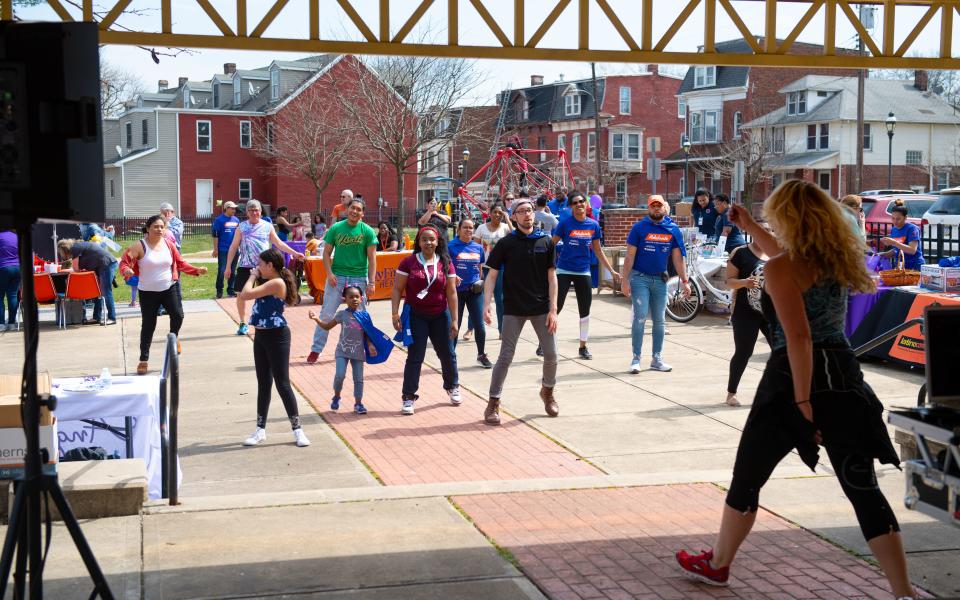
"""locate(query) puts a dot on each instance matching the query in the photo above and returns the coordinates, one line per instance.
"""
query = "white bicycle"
(683, 310)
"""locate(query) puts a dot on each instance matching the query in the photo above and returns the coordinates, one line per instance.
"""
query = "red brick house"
(632, 108)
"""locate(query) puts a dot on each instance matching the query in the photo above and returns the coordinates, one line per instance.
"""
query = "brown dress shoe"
(549, 402)
(142, 368)
(491, 416)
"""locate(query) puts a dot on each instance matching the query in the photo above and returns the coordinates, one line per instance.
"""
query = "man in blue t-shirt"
(652, 241)
(581, 242)
(223, 229)
(724, 226)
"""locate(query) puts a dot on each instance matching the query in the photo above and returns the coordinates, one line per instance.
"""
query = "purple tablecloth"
(300, 247)
(858, 306)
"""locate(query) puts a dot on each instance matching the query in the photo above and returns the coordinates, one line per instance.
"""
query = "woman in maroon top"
(428, 279)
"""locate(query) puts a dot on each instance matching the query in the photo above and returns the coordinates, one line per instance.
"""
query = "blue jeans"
(105, 277)
(473, 303)
(497, 296)
(649, 294)
(9, 286)
(221, 268)
(437, 330)
(341, 374)
(332, 297)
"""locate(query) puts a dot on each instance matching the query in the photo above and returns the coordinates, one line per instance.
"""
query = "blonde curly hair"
(813, 228)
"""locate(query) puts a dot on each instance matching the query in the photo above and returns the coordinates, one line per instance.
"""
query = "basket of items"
(900, 275)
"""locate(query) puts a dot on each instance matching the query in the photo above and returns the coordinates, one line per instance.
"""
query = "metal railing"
(886, 337)
(169, 410)
(936, 241)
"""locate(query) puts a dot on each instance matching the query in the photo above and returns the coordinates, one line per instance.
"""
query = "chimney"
(536, 80)
(182, 81)
(229, 68)
(653, 69)
(162, 85)
(921, 79)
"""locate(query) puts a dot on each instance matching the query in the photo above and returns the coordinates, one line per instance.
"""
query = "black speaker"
(51, 149)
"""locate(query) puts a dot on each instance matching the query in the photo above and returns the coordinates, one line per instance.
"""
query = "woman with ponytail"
(904, 239)
(272, 286)
(429, 279)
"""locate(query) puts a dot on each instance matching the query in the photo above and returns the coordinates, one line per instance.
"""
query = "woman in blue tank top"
(812, 392)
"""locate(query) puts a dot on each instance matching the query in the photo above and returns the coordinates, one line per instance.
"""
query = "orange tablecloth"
(387, 263)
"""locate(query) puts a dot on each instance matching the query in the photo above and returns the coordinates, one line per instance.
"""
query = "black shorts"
(243, 274)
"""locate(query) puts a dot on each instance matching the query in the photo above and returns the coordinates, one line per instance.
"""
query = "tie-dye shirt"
(256, 239)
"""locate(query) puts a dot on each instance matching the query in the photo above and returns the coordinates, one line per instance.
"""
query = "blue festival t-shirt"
(223, 229)
(577, 237)
(735, 238)
(468, 258)
(906, 234)
(654, 243)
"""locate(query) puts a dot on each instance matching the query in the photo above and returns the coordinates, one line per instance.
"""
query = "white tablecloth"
(136, 397)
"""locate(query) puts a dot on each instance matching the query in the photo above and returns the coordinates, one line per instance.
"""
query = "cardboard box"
(10, 400)
(940, 279)
(683, 209)
(13, 446)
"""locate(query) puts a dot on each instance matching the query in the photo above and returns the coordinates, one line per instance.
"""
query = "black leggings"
(150, 303)
(747, 324)
(271, 357)
(582, 287)
(762, 448)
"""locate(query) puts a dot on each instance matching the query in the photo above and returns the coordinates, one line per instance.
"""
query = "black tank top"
(746, 262)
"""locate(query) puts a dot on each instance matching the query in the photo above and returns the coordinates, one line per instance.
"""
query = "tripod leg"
(11, 539)
(49, 484)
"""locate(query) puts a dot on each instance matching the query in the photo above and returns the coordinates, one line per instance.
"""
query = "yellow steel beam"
(882, 52)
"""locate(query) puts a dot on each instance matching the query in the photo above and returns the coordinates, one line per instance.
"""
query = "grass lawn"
(194, 288)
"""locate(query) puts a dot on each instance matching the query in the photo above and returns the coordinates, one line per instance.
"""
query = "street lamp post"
(462, 172)
(891, 125)
(596, 130)
(686, 161)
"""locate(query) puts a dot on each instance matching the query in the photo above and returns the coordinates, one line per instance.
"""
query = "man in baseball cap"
(223, 229)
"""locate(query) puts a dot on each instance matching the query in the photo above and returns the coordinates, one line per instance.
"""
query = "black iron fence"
(936, 241)
(131, 228)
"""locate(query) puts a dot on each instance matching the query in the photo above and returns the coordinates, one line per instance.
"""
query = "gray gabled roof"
(546, 101)
(159, 96)
(881, 96)
(727, 77)
(253, 74)
(799, 159)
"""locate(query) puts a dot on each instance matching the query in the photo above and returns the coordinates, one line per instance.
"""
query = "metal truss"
(636, 36)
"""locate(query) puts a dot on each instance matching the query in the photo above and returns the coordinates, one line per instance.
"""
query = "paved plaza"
(591, 504)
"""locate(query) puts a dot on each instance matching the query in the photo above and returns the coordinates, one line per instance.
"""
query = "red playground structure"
(515, 169)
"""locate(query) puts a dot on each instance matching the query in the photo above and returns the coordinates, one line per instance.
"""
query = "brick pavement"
(620, 544)
(440, 443)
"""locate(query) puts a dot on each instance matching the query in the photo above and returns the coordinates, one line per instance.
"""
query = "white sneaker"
(659, 365)
(407, 408)
(258, 437)
(301, 438)
(454, 396)
(635, 366)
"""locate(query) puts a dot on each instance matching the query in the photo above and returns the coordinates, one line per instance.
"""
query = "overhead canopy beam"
(640, 23)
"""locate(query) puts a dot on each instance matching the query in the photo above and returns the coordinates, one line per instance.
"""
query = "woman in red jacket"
(157, 263)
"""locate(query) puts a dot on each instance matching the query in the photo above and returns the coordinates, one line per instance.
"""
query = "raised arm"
(276, 241)
(742, 219)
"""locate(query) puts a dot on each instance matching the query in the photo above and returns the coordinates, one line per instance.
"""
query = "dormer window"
(216, 95)
(236, 92)
(522, 109)
(442, 125)
(797, 103)
(571, 104)
(704, 77)
(274, 84)
(186, 96)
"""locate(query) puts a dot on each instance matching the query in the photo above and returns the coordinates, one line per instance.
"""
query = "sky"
(201, 65)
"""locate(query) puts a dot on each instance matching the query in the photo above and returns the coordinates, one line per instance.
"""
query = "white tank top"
(156, 268)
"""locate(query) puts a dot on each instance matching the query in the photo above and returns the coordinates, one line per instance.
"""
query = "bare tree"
(117, 86)
(310, 137)
(755, 151)
(398, 105)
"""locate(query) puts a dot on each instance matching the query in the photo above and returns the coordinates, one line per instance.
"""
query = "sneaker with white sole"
(257, 438)
(635, 366)
(658, 365)
(301, 438)
(407, 408)
(454, 394)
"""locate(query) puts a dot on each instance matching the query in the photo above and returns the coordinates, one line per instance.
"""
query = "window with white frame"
(575, 148)
(624, 100)
(204, 136)
(621, 189)
(542, 145)
(824, 136)
(625, 146)
(696, 127)
(526, 109)
(797, 103)
(943, 180)
(704, 77)
(269, 136)
(442, 125)
(867, 137)
(811, 137)
(737, 122)
(274, 84)
(144, 132)
(129, 132)
(711, 132)
(779, 137)
(681, 107)
(591, 145)
(245, 134)
(914, 157)
(236, 92)
(716, 183)
(246, 190)
(823, 180)
(571, 104)
(561, 142)
(112, 190)
(216, 94)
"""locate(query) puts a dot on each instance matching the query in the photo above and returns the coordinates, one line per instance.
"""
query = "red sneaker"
(697, 566)
(312, 357)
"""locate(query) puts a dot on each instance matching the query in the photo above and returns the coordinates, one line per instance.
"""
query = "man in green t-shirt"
(353, 264)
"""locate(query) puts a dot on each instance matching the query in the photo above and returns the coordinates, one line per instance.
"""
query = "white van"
(946, 210)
